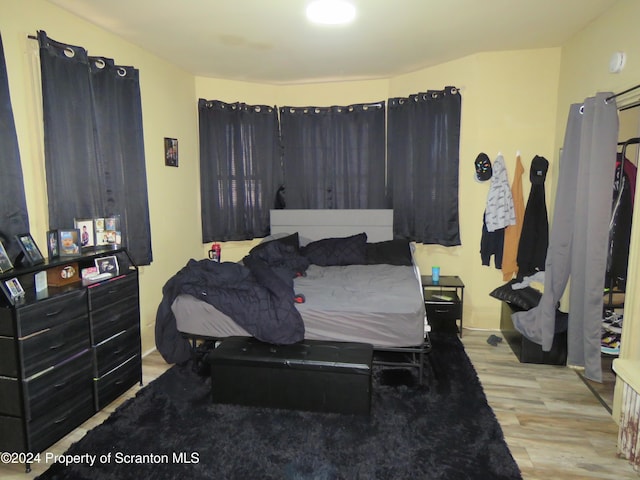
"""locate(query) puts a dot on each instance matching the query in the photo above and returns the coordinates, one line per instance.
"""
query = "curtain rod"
(621, 93)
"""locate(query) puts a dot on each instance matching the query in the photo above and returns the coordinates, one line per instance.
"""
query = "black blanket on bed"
(257, 295)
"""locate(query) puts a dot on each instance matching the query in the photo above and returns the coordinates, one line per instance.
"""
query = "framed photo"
(13, 289)
(107, 265)
(69, 242)
(171, 152)
(108, 231)
(5, 262)
(31, 252)
(52, 244)
(87, 232)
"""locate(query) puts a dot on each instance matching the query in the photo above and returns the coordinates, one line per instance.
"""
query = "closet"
(620, 225)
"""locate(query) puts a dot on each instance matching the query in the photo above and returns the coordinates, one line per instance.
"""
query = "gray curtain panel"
(14, 218)
(579, 235)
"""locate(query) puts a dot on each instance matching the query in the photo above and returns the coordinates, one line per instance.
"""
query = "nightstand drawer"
(444, 311)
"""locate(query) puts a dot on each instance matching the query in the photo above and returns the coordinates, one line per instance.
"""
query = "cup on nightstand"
(435, 274)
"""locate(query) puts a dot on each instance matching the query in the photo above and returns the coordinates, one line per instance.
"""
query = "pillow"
(284, 239)
(525, 298)
(391, 252)
(337, 251)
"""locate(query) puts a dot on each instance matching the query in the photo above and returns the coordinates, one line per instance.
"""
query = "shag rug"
(443, 429)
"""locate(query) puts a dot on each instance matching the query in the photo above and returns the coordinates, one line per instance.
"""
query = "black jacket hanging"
(534, 240)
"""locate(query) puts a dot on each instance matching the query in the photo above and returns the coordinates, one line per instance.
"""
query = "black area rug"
(443, 429)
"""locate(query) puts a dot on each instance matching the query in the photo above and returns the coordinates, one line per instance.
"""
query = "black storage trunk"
(309, 375)
(528, 351)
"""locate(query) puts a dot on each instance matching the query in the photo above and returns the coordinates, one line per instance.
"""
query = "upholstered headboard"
(319, 224)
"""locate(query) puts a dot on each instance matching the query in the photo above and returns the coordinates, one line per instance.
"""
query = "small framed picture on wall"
(171, 152)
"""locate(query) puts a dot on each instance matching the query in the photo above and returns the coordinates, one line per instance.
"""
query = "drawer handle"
(57, 346)
(53, 314)
(61, 420)
(60, 385)
(442, 311)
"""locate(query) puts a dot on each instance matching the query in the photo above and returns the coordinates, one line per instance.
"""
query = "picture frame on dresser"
(87, 232)
(31, 254)
(107, 265)
(13, 290)
(69, 242)
(53, 250)
(5, 261)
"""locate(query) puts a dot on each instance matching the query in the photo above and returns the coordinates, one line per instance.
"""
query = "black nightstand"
(444, 301)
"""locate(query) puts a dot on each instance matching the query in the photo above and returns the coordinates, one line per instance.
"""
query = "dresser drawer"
(107, 294)
(51, 347)
(44, 314)
(60, 420)
(116, 382)
(117, 350)
(62, 383)
(108, 321)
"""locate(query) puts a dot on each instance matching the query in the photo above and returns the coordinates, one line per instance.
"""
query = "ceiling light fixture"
(331, 12)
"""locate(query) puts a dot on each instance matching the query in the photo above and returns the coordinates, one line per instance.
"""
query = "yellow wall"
(512, 101)
(169, 110)
(585, 61)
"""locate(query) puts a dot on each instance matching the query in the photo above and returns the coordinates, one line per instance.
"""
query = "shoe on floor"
(610, 344)
(612, 322)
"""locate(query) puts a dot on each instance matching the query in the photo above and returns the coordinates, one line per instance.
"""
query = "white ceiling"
(270, 41)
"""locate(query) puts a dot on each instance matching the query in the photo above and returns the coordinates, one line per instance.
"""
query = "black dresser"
(66, 352)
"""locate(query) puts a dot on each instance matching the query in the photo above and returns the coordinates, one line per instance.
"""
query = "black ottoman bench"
(309, 375)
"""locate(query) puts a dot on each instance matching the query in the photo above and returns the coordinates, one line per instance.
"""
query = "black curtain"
(94, 150)
(13, 205)
(334, 156)
(423, 143)
(240, 169)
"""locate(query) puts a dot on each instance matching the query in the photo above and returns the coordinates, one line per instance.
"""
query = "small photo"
(69, 242)
(53, 249)
(14, 288)
(52, 244)
(107, 265)
(87, 238)
(171, 152)
(5, 262)
(32, 254)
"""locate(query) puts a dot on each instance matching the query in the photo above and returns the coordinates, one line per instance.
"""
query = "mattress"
(378, 304)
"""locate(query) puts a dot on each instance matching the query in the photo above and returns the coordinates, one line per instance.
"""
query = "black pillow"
(289, 241)
(390, 252)
(525, 298)
(337, 251)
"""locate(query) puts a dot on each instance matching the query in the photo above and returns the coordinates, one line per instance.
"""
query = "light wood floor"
(554, 425)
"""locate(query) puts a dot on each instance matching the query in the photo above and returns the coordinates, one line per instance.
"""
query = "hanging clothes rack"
(620, 179)
(616, 95)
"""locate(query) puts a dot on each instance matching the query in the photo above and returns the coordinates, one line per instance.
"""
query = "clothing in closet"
(512, 232)
(534, 239)
(620, 225)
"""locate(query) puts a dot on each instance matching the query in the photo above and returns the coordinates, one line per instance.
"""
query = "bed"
(341, 297)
